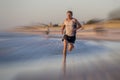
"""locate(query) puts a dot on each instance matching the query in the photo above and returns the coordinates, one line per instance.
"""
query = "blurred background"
(31, 40)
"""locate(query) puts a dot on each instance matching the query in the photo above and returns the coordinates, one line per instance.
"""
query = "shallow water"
(30, 56)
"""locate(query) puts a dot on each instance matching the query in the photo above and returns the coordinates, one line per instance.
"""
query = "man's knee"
(65, 43)
(71, 46)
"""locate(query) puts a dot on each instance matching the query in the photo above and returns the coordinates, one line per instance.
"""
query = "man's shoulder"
(65, 20)
(74, 19)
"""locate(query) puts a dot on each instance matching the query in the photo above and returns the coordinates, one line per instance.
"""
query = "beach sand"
(110, 30)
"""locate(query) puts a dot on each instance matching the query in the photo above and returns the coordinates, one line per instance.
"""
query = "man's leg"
(71, 46)
(65, 50)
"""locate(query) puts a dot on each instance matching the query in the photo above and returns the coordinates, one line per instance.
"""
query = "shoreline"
(83, 35)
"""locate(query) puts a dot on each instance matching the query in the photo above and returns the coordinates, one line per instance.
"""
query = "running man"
(69, 29)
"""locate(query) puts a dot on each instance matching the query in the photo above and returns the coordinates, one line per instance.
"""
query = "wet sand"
(40, 58)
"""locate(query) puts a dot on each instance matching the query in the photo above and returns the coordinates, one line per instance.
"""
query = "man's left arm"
(78, 25)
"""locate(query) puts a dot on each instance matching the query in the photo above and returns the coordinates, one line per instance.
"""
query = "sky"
(15, 13)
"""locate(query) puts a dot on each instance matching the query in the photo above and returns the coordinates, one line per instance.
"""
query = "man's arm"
(62, 28)
(79, 25)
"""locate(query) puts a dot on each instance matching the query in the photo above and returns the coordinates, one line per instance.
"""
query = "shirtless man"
(69, 29)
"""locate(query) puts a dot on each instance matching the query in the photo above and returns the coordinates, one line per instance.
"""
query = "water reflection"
(64, 68)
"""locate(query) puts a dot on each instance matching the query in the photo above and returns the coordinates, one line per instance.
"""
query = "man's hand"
(74, 30)
(82, 28)
(62, 32)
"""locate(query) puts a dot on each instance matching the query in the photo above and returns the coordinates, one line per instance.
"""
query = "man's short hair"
(70, 12)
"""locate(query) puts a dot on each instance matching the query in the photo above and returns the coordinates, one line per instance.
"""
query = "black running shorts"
(70, 39)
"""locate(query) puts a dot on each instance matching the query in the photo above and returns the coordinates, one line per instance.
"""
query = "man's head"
(69, 14)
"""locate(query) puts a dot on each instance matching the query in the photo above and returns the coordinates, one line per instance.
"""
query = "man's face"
(69, 15)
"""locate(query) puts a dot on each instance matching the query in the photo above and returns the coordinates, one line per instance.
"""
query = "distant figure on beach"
(69, 29)
(48, 31)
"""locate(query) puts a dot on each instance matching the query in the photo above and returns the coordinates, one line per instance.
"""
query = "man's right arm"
(62, 28)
